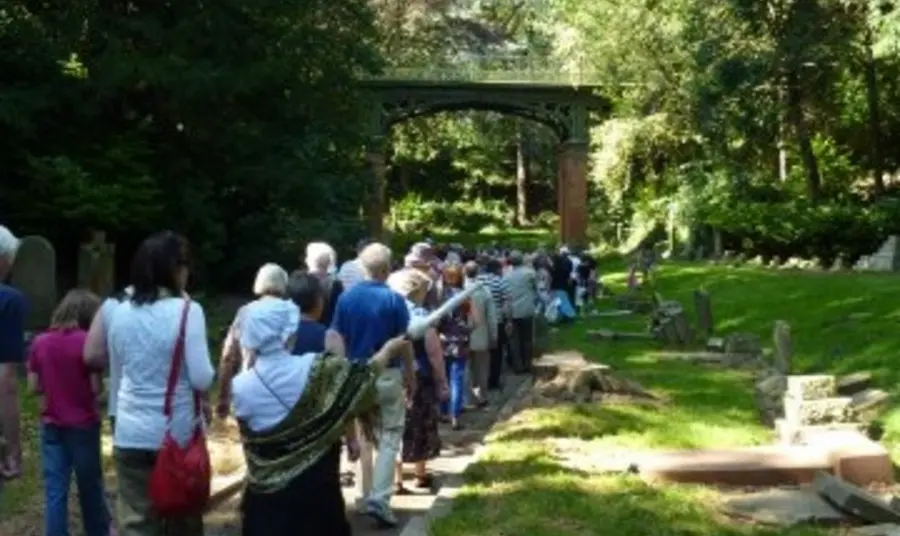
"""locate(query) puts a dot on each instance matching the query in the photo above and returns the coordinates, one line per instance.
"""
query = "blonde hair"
(75, 311)
(408, 282)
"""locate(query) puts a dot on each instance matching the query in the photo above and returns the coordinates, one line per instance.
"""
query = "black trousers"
(496, 369)
(523, 331)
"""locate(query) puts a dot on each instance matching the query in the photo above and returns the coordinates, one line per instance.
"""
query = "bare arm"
(95, 353)
(229, 363)
(196, 350)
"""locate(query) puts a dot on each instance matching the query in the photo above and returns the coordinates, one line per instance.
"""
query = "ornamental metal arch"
(562, 108)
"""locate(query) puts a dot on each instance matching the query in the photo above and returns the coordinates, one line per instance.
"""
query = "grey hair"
(375, 259)
(516, 258)
(9, 244)
(320, 256)
(271, 279)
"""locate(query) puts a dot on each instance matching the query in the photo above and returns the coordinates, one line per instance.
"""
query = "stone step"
(793, 434)
(819, 411)
(869, 402)
(811, 387)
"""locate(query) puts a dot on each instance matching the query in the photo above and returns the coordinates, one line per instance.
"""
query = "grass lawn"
(841, 323)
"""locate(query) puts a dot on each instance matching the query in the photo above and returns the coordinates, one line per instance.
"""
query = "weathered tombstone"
(96, 262)
(34, 274)
(784, 347)
(703, 305)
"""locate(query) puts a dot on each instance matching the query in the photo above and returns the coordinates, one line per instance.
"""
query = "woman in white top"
(141, 338)
(292, 412)
(96, 354)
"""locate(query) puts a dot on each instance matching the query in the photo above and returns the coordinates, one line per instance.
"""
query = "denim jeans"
(389, 435)
(456, 376)
(64, 450)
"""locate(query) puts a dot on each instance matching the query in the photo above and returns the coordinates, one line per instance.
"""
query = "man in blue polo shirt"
(12, 353)
(367, 316)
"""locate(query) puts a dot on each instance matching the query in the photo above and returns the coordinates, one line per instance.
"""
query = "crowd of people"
(323, 362)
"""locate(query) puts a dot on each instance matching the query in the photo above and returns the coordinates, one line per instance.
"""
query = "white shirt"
(141, 339)
(107, 311)
(265, 394)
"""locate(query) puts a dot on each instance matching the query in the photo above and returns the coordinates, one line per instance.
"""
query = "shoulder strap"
(177, 358)
(269, 389)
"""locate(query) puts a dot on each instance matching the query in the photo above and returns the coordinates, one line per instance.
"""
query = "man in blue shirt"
(12, 353)
(365, 318)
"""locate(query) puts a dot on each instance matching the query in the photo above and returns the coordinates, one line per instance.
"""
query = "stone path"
(459, 448)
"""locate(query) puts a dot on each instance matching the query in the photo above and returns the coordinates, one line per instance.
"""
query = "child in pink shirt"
(70, 418)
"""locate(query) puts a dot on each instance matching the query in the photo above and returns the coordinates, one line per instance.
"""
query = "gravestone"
(34, 274)
(886, 259)
(784, 347)
(96, 263)
(703, 305)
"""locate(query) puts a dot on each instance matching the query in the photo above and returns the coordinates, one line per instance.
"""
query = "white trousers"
(378, 481)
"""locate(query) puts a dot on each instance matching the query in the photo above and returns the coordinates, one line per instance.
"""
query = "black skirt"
(311, 505)
(421, 439)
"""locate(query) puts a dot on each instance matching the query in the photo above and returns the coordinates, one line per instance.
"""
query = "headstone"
(703, 305)
(855, 383)
(886, 259)
(96, 264)
(34, 274)
(784, 348)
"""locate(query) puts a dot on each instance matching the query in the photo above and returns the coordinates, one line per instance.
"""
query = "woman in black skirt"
(421, 441)
(292, 412)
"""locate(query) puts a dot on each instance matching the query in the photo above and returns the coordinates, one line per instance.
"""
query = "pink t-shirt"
(57, 358)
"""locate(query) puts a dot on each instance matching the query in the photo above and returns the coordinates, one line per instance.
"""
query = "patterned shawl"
(337, 391)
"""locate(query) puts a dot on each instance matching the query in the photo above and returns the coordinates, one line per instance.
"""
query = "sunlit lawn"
(841, 323)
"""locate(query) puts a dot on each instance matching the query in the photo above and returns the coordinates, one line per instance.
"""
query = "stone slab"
(853, 383)
(811, 387)
(750, 466)
(785, 507)
(610, 335)
(854, 500)
(869, 401)
(715, 344)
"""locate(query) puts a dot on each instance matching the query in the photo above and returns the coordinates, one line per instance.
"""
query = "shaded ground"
(459, 446)
(543, 473)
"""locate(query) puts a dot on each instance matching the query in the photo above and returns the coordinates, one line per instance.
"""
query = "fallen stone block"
(853, 383)
(750, 466)
(743, 343)
(614, 313)
(854, 500)
(610, 335)
(822, 411)
(710, 358)
(548, 365)
(811, 387)
(869, 402)
(784, 507)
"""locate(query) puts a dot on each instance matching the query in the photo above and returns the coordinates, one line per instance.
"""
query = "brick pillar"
(376, 208)
(571, 192)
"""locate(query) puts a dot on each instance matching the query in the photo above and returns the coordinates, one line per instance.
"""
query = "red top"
(57, 359)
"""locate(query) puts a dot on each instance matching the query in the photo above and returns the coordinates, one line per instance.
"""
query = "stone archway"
(562, 108)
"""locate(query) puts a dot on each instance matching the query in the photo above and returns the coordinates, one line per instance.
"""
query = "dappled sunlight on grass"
(530, 481)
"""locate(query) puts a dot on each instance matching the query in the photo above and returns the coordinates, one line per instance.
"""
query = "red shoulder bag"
(180, 481)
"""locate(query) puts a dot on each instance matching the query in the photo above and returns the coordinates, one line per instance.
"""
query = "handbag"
(180, 480)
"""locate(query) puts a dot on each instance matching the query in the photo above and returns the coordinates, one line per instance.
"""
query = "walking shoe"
(384, 518)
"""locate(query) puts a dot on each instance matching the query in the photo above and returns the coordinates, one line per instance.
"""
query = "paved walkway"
(459, 447)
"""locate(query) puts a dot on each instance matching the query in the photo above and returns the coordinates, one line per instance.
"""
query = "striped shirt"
(351, 273)
(500, 292)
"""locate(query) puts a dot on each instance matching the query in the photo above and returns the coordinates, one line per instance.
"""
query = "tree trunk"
(874, 116)
(801, 131)
(521, 178)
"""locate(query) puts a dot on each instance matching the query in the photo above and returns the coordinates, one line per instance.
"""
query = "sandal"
(425, 481)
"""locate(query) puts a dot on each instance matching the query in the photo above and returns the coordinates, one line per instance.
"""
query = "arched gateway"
(562, 107)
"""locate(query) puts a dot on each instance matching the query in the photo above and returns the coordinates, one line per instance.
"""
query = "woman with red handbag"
(158, 337)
